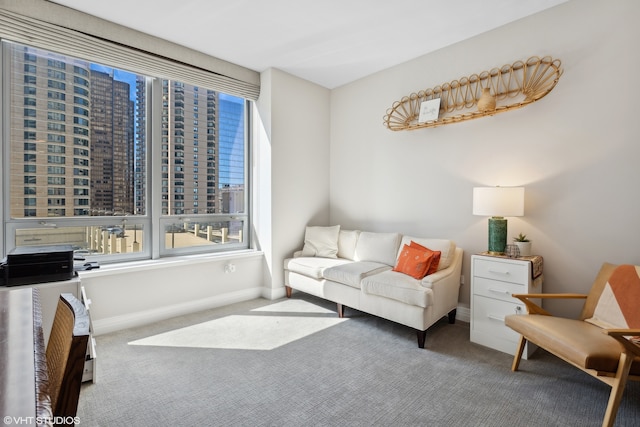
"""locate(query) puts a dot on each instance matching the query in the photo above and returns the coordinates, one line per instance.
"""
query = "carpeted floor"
(294, 363)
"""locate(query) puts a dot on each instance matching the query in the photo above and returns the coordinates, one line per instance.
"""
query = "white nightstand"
(493, 280)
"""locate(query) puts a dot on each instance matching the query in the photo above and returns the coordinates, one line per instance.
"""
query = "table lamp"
(498, 202)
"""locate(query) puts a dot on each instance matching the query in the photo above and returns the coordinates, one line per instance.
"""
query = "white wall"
(134, 294)
(576, 151)
(294, 152)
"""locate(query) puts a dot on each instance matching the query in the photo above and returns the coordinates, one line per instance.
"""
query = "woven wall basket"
(513, 86)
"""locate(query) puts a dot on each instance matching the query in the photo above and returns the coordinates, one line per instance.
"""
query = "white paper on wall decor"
(429, 110)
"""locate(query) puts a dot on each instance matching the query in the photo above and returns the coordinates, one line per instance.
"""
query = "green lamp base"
(497, 235)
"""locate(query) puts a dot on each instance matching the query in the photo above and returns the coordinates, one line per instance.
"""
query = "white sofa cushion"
(445, 246)
(321, 241)
(351, 274)
(399, 287)
(347, 240)
(312, 266)
(378, 247)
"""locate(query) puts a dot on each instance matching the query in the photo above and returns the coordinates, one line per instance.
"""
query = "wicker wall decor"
(513, 86)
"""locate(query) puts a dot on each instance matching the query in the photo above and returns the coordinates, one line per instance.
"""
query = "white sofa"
(357, 272)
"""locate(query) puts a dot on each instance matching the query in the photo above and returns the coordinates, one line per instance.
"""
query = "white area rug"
(261, 329)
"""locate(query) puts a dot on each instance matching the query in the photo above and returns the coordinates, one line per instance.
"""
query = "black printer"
(38, 264)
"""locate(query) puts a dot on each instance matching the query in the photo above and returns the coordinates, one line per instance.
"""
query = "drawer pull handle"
(494, 317)
(505, 272)
(499, 291)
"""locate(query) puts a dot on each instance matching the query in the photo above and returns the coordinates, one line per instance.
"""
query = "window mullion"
(154, 172)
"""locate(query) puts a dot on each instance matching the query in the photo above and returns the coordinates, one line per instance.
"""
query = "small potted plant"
(523, 243)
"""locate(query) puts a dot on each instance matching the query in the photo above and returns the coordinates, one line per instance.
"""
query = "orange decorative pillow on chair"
(414, 261)
(434, 262)
(618, 303)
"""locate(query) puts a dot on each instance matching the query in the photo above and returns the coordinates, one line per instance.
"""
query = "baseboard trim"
(463, 314)
(273, 294)
(116, 323)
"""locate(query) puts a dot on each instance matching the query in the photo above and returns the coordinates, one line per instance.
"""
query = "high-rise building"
(112, 146)
(72, 138)
(189, 156)
(49, 133)
(140, 154)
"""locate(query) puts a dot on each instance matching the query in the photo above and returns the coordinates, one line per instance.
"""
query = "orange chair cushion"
(619, 303)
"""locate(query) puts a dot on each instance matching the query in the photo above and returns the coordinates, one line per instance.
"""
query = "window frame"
(153, 240)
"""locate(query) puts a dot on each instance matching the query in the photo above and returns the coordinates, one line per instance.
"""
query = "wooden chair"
(603, 352)
(66, 352)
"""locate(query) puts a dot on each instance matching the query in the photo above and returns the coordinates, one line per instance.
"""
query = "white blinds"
(34, 32)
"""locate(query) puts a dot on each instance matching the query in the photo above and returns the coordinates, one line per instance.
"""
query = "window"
(56, 138)
(91, 153)
(51, 105)
(61, 160)
(56, 149)
(55, 180)
(56, 95)
(52, 115)
(56, 84)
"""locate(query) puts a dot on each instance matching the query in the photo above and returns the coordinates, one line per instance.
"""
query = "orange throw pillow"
(436, 257)
(414, 261)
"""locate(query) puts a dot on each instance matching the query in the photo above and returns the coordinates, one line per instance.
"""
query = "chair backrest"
(596, 290)
(66, 352)
(617, 307)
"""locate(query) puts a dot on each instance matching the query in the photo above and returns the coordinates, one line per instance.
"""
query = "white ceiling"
(329, 42)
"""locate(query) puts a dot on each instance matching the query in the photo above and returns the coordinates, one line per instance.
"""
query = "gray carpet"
(364, 371)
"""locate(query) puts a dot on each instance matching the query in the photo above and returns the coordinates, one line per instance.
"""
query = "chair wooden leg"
(518, 355)
(288, 290)
(617, 389)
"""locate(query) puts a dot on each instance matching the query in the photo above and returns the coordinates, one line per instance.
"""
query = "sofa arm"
(445, 287)
(438, 276)
(449, 274)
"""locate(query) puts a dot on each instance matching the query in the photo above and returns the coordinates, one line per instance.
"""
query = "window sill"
(154, 264)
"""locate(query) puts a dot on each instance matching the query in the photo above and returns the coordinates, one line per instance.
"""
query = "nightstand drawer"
(497, 289)
(503, 271)
(489, 317)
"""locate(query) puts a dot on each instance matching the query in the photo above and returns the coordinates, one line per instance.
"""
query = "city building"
(50, 141)
(189, 155)
(112, 146)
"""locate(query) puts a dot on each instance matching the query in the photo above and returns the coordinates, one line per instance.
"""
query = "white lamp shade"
(498, 201)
